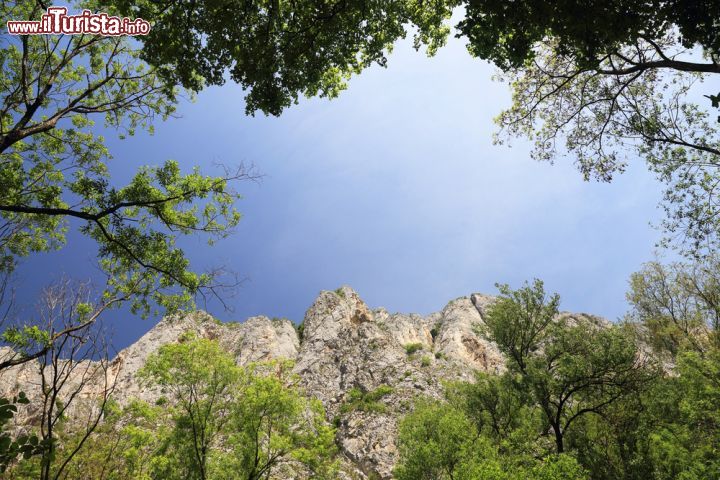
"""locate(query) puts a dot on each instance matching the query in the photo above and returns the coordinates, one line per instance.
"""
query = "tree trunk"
(558, 439)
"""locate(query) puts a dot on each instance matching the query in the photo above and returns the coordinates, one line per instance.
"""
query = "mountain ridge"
(345, 347)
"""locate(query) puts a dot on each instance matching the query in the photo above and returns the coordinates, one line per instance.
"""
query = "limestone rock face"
(349, 350)
(366, 366)
(457, 339)
(19, 378)
(257, 339)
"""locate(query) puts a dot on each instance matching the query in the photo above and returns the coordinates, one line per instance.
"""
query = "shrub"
(300, 328)
(368, 401)
(411, 348)
(434, 331)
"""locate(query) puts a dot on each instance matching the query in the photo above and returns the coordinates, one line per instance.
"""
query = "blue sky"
(394, 189)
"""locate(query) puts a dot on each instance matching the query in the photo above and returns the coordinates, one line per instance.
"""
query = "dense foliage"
(442, 442)
(507, 33)
(281, 49)
(582, 399)
(215, 420)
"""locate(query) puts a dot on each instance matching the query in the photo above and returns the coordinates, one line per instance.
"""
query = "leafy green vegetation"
(604, 93)
(300, 329)
(279, 51)
(411, 348)
(11, 448)
(570, 368)
(441, 442)
(366, 401)
(219, 421)
(54, 167)
(583, 400)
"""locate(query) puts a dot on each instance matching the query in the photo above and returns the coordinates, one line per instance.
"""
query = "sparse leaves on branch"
(54, 172)
(606, 81)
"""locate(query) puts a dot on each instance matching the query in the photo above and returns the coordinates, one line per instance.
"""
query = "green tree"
(279, 50)
(501, 412)
(132, 442)
(573, 402)
(198, 376)
(270, 424)
(687, 441)
(54, 175)
(677, 305)
(619, 416)
(676, 308)
(54, 172)
(614, 445)
(438, 441)
(70, 376)
(569, 367)
(668, 429)
(129, 444)
(508, 34)
(597, 80)
(235, 422)
(12, 448)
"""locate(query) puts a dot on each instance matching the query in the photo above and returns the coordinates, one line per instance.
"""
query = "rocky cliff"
(346, 349)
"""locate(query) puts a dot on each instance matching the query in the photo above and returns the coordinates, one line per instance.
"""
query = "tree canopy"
(570, 367)
(279, 50)
(211, 419)
(638, 400)
(55, 175)
(54, 171)
(508, 33)
(605, 81)
(439, 442)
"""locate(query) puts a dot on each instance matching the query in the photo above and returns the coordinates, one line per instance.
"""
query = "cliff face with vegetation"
(366, 366)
